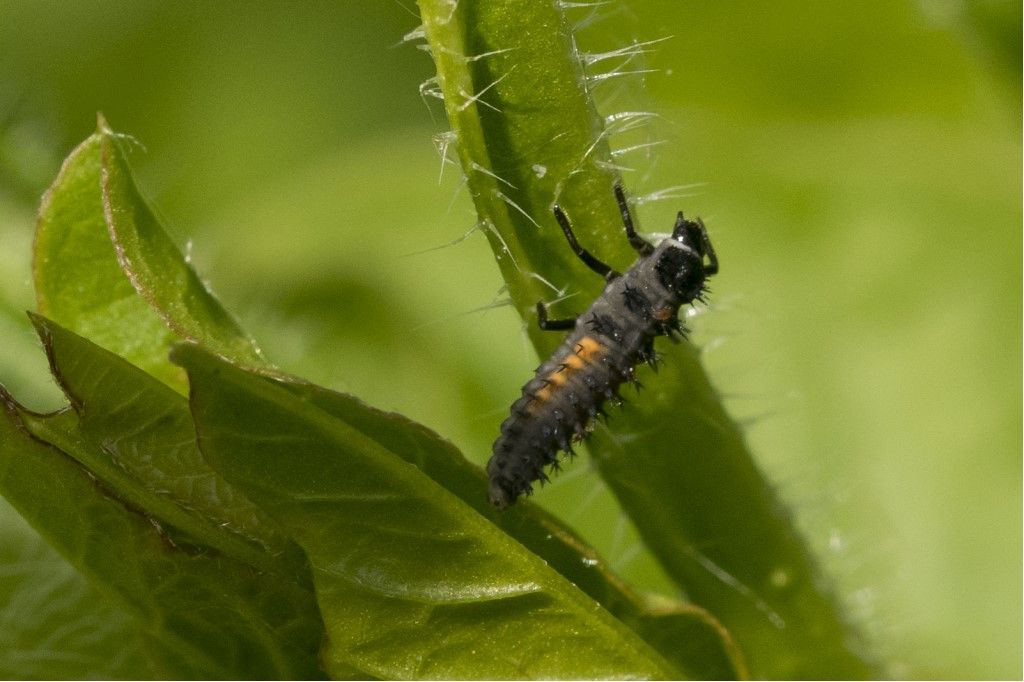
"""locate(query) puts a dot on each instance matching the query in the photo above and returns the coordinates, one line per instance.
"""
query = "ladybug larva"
(601, 352)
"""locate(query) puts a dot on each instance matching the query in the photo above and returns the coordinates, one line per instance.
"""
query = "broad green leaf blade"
(686, 635)
(105, 269)
(412, 582)
(530, 525)
(518, 101)
(77, 277)
(144, 428)
(209, 616)
(54, 625)
(136, 434)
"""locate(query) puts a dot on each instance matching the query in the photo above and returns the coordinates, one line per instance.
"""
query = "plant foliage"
(248, 524)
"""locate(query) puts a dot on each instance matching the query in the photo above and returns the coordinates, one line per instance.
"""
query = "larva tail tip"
(499, 498)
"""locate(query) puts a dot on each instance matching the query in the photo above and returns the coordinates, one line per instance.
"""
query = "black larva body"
(606, 343)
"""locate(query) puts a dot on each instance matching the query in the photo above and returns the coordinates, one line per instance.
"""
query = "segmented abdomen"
(564, 396)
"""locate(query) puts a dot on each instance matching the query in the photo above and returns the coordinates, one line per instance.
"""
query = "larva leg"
(584, 255)
(551, 325)
(642, 246)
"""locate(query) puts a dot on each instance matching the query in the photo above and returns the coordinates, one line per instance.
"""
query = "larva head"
(681, 266)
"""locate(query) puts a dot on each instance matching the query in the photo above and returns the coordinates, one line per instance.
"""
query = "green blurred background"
(858, 163)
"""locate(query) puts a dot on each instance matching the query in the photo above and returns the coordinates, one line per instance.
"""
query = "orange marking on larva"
(662, 314)
(590, 348)
(572, 363)
(587, 350)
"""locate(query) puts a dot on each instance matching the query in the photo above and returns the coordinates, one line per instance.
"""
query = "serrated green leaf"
(105, 269)
(136, 435)
(78, 280)
(209, 615)
(412, 582)
(685, 634)
(145, 429)
(156, 267)
(518, 102)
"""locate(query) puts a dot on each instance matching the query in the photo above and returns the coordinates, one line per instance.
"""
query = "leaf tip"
(36, 319)
(102, 127)
(43, 327)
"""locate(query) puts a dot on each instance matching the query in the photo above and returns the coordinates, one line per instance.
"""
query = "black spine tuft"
(637, 303)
